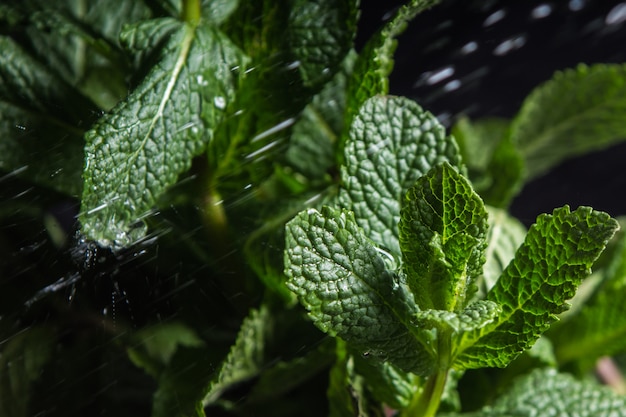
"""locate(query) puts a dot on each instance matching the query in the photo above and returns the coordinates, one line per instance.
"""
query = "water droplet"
(469, 47)
(440, 75)
(452, 85)
(20, 127)
(201, 81)
(219, 102)
(509, 45)
(366, 354)
(494, 17)
(293, 65)
(576, 5)
(617, 15)
(541, 11)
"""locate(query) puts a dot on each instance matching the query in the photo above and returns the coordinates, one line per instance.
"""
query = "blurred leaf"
(153, 347)
(495, 165)
(579, 110)
(41, 122)
(22, 359)
(504, 235)
(320, 35)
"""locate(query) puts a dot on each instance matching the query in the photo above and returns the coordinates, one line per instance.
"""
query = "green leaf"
(41, 122)
(578, 111)
(137, 151)
(342, 279)
(285, 376)
(375, 62)
(547, 393)
(495, 165)
(556, 255)
(475, 316)
(505, 234)
(388, 384)
(443, 227)
(217, 11)
(246, 356)
(315, 135)
(183, 382)
(599, 327)
(320, 34)
(80, 42)
(22, 359)
(154, 346)
(392, 143)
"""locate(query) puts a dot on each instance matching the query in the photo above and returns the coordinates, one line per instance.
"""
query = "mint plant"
(273, 233)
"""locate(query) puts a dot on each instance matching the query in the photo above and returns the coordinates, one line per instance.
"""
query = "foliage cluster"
(248, 162)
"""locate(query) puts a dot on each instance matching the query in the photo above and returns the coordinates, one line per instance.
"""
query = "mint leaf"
(154, 346)
(217, 11)
(505, 234)
(473, 317)
(556, 255)
(21, 362)
(443, 226)
(578, 111)
(494, 164)
(81, 43)
(388, 384)
(599, 327)
(372, 68)
(545, 392)
(342, 279)
(315, 135)
(284, 376)
(392, 142)
(41, 122)
(246, 356)
(137, 151)
(320, 34)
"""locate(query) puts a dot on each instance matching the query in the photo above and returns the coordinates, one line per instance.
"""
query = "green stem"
(192, 11)
(426, 403)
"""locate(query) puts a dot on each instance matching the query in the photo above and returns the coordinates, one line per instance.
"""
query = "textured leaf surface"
(41, 122)
(599, 328)
(342, 279)
(556, 255)
(320, 35)
(578, 111)
(443, 227)
(504, 236)
(473, 317)
(546, 393)
(392, 143)
(138, 150)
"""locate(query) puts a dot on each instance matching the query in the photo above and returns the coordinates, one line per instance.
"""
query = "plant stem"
(192, 11)
(426, 403)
